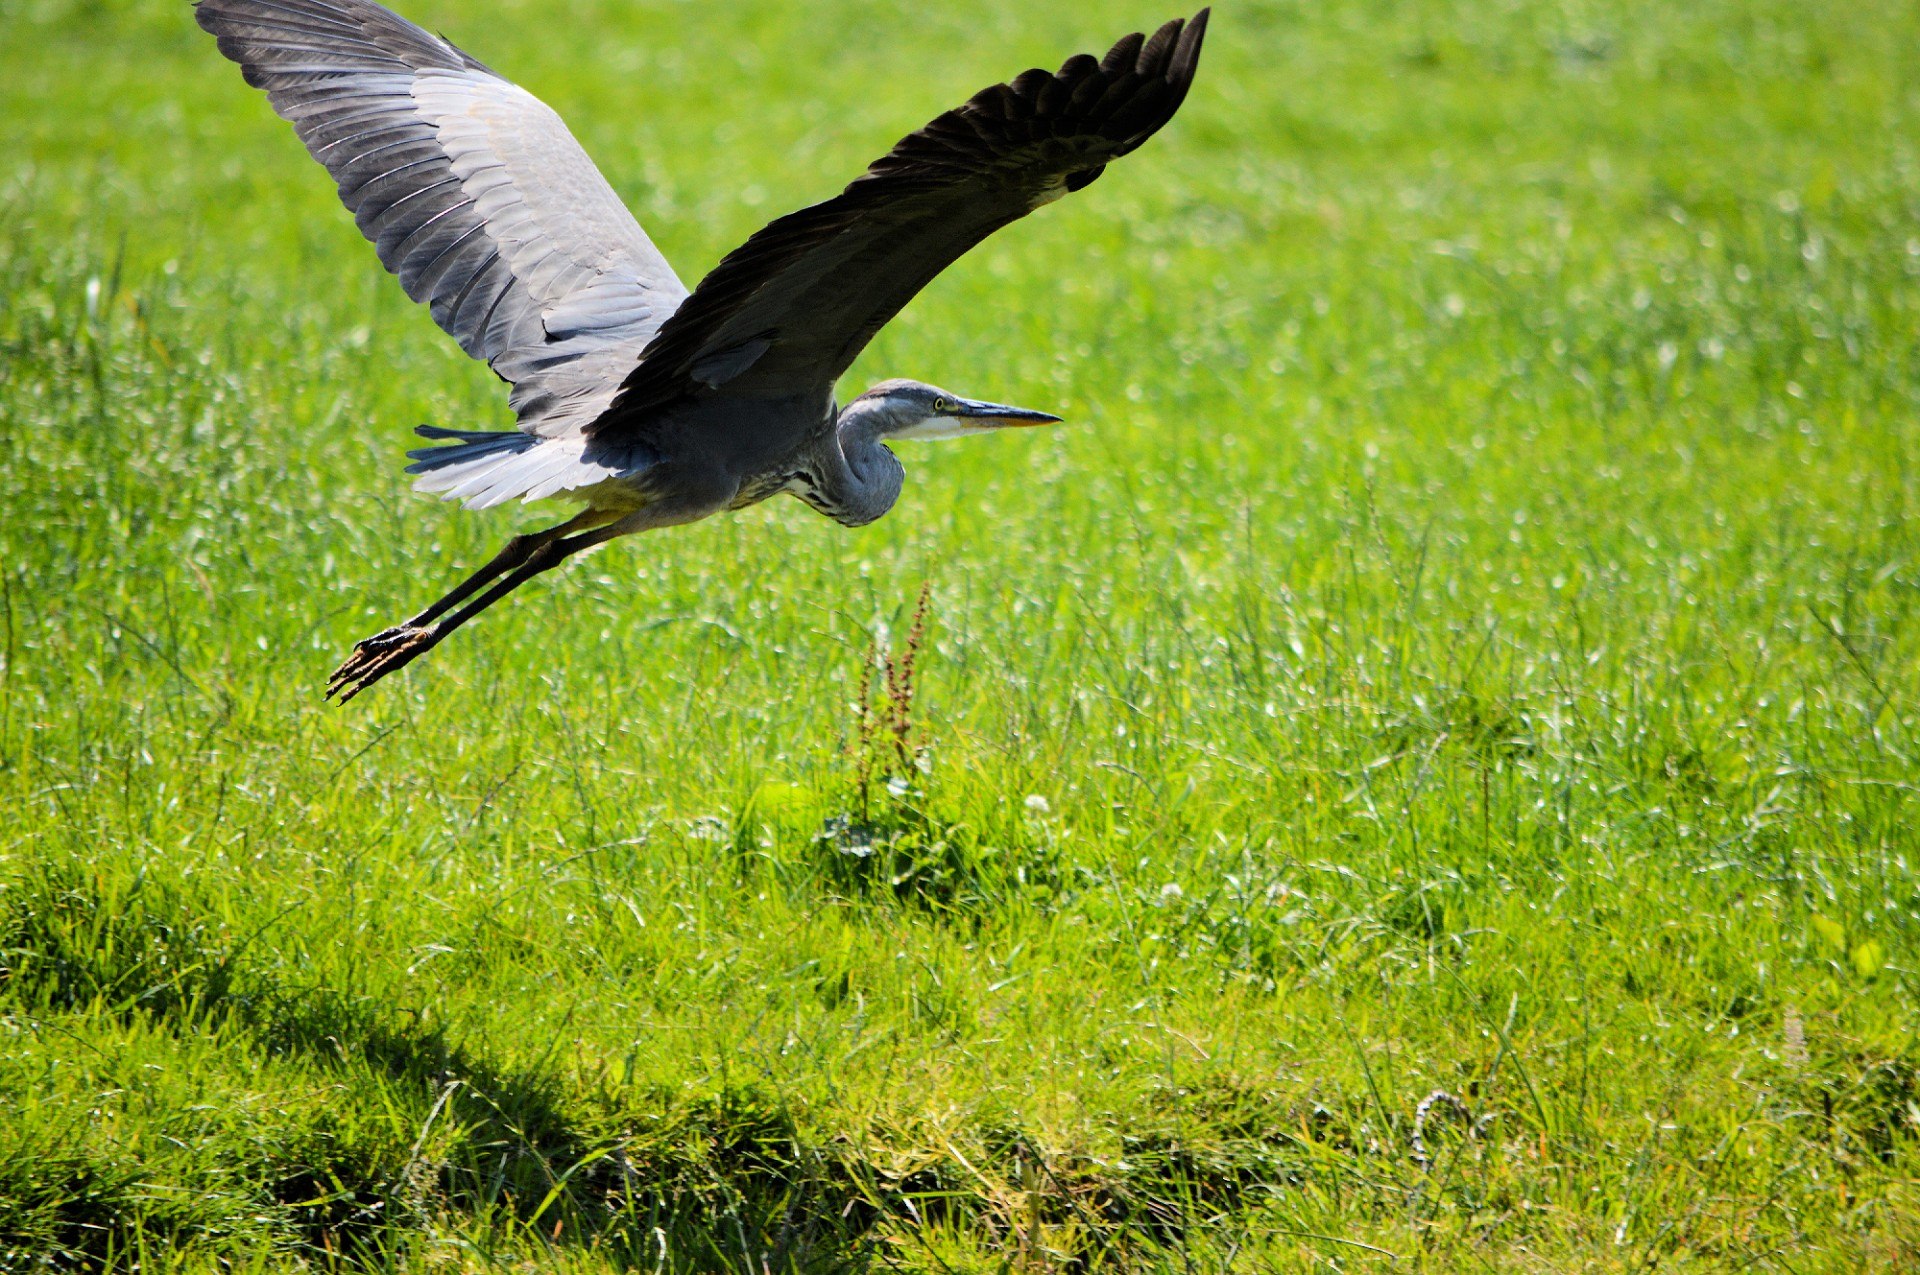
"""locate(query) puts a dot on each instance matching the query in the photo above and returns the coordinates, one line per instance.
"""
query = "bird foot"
(375, 657)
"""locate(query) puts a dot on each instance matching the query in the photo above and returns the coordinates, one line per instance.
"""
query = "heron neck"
(859, 477)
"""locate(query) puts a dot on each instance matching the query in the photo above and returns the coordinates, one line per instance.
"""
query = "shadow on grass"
(411, 1135)
(423, 1130)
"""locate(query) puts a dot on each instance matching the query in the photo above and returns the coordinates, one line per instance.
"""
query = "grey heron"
(649, 405)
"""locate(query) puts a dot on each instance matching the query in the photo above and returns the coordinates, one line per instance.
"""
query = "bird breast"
(760, 488)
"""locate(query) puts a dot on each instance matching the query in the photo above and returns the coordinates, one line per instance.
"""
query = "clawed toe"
(377, 656)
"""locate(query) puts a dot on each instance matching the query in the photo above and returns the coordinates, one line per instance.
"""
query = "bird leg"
(523, 558)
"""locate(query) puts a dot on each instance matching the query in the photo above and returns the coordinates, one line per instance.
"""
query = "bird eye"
(943, 405)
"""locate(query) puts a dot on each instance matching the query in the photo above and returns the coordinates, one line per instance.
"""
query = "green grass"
(1465, 643)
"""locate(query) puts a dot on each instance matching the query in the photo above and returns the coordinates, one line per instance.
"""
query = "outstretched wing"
(788, 311)
(472, 190)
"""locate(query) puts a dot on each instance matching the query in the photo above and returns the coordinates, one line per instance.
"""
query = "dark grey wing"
(472, 190)
(788, 311)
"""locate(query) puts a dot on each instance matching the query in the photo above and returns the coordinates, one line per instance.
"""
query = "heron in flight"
(649, 405)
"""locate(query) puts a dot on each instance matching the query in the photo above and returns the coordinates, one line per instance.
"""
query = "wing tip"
(1186, 54)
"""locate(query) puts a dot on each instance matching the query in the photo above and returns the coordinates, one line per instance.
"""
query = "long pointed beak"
(1001, 416)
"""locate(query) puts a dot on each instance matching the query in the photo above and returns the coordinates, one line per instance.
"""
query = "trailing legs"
(523, 558)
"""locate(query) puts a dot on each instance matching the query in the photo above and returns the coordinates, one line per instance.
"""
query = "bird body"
(648, 404)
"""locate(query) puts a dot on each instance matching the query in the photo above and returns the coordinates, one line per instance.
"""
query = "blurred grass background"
(1419, 774)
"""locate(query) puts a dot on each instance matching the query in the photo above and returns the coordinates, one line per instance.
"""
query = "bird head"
(914, 409)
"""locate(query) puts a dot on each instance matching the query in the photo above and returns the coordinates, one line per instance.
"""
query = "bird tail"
(485, 468)
(473, 444)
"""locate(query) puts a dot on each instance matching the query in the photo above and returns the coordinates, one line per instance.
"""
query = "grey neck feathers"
(852, 477)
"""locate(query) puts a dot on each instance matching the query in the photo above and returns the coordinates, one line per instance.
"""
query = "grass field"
(1423, 773)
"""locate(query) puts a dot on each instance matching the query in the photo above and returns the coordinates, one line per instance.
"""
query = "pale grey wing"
(472, 191)
(787, 312)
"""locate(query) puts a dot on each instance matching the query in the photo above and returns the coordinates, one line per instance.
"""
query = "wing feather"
(471, 190)
(789, 310)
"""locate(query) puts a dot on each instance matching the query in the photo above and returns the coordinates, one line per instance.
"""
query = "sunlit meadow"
(1418, 774)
